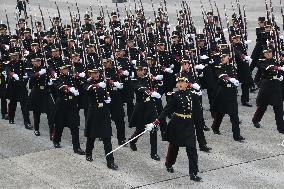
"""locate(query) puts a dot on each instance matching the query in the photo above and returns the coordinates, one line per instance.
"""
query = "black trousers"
(120, 129)
(107, 148)
(191, 155)
(130, 109)
(163, 123)
(234, 118)
(278, 112)
(153, 139)
(36, 116)
(12, 110)
(75, 136)
(4, 109)
(245, 92)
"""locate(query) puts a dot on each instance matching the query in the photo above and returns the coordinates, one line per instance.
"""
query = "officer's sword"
(128, 141)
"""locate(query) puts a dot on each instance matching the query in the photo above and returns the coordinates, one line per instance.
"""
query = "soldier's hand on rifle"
(169, 70)
(199, 67)
(159, 77)
(234, 81)
(155, 95)
(125, 72)
(101, 85)
(118, 85)
(15, 76)
(42, 71)
(196, 86)
(150, 126)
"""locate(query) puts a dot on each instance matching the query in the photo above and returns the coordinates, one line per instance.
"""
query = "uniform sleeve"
(169, 108)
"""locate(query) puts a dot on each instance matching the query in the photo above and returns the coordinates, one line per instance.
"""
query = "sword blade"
(127, 142)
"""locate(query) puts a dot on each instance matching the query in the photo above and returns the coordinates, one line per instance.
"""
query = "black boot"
(89, 155)
(133, 146)
(112, 166)
(256, 125)
(205, 148)
(205, 128)
(194, 177)
(239, 138)
(155, 157)
(11, 121)
(170, 169)
(79, 151)
(28, 126)
(56, 145)
(37, 133)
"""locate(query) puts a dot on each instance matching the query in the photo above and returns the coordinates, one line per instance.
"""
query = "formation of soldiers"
(101, 65)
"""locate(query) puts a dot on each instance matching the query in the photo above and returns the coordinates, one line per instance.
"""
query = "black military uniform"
(66, 109)
(40, 99)
(185, 110)
(243, 70)
(22, 6)
(145, 111)
(17, 87)
(225, 96)
(114, 86)
(127, 73)
(98, 123)
(270, 91)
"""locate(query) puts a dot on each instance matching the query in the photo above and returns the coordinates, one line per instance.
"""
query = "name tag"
(41, 87)
(229, 85)
(100, 105)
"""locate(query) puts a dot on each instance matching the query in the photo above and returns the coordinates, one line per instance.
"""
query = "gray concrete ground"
(27, 161)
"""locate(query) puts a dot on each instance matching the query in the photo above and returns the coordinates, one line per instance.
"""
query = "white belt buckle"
(70, 97)
(41, 87)
(147, 99)
(229, 85)
(100, 105)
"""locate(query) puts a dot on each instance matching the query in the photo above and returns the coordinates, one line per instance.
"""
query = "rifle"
(282, 12)
(219, 17)
(42, 18)
(7, 20)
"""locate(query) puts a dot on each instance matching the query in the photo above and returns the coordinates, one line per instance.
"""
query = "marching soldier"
(17, 87)
(66, 109)
(98, 122)
(270, 90)
(243, 72)
(186, 110)
(145, 111)
(40, 99)
(225, 98)
(116, 105)
(22, 6)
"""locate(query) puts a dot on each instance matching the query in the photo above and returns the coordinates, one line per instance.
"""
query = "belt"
(184, 116)
(147, 99)
(68, 98)
(99, 105)
(228, 85)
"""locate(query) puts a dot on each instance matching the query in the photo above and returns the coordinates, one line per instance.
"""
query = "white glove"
(155, 95)
(280, 78)
(50, 82)
(172, 66)
(26, 76)
(102, 85)
(134, 62)
(125, 72)
(211, 61)
(108, 100)
(150, 127)
(169, 70)
(16, 77)
(26, 53)
(72, 90)
(169, 26)
(82, 74)
(102, 37)
(196, 86)
(55, 75)
(248, 42)
(118, 85)
(217, 39)
(248, 59)
(117, 29)
(76, 93)
(159, 77)
(234, 81)
(42, 71)
(282, 68)
(7, 47)
(204, 57)
(199, 93)
(199, 67)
